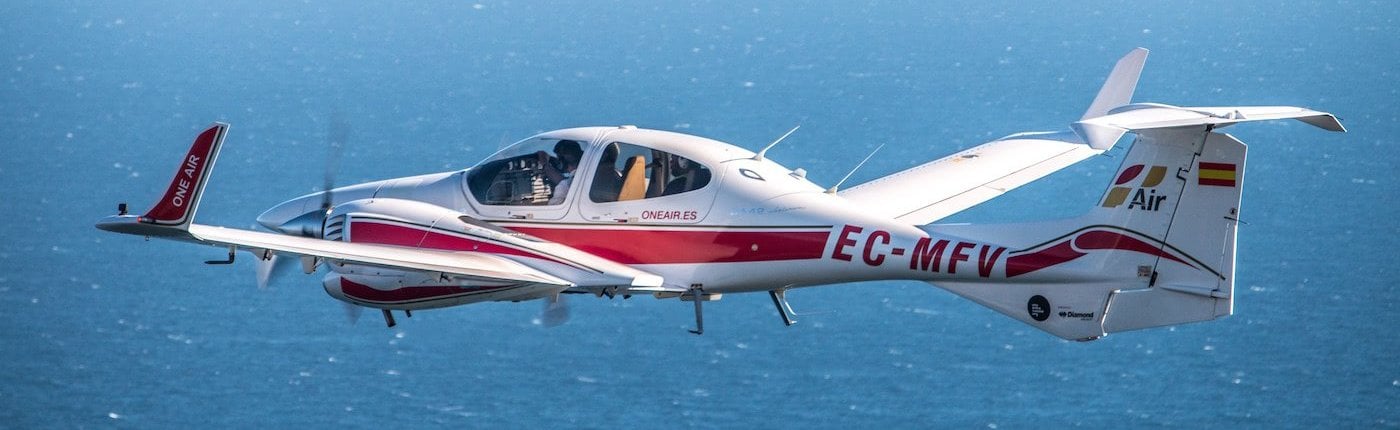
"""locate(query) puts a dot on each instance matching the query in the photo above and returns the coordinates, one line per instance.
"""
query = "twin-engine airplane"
(612, 211)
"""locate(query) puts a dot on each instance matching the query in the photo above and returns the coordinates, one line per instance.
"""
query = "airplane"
(620, 211)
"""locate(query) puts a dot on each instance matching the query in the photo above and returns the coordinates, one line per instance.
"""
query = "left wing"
(467, 265)
(173, 215)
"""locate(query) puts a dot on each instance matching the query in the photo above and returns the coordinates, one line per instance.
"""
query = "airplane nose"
(286, 211)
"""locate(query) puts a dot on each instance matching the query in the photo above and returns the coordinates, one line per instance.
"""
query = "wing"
(948, 185)
(467, 265)
(965, 179)
(172, 217)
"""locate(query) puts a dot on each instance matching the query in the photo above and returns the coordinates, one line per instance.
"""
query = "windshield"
(532, 173)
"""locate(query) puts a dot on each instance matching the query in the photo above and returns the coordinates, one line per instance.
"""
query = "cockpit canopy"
(541, 171)
(525, 174)
(633, 172)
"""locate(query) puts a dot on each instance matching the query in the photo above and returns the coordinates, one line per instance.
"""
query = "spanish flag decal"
(1217, 174)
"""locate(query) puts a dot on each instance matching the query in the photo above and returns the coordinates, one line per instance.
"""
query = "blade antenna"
(833, 188)
(759, 155)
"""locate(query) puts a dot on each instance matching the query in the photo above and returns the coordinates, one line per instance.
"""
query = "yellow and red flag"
(1217, 174)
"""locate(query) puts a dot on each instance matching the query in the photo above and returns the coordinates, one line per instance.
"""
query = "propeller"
(352, 312)
(338, 134)
(555, 313)
(310, 224)
(272, 268)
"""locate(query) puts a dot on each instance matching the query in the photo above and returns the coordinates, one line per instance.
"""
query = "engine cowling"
(414, 292)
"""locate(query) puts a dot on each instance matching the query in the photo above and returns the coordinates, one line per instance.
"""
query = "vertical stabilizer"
(1194, 277)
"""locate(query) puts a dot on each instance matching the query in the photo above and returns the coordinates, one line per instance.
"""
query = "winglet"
(1118, 88)
(177, 207)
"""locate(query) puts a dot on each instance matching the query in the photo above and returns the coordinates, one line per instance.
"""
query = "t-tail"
(1157, 249)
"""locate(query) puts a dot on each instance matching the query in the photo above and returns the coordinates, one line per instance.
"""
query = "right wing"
(946, 186)
(937, 189)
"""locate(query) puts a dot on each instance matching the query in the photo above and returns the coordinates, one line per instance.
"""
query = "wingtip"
(1326, 121)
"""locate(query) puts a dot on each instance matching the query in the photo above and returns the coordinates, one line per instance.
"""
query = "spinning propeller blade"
(337, 135)
(555, 313)
(352, 312)
(273, 268)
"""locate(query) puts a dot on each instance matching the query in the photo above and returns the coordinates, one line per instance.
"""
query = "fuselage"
(754, 225)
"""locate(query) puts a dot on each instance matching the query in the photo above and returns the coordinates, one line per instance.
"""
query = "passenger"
(568, 153)
(689, 176)
(607, 180)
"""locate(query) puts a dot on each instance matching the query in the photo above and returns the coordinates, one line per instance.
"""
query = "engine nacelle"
(410, 292)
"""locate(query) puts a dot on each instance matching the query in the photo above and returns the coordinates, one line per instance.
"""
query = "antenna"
(759, 156)
(833, 188)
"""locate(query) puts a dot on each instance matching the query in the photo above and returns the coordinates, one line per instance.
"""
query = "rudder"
(1192, 278)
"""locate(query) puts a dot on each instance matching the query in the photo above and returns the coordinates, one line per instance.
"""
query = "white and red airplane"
(623, 211)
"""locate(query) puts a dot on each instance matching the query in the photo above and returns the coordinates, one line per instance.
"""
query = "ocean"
(99, 100)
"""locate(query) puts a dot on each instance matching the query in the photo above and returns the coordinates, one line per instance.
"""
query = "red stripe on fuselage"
(368, 231)
(1062, 252)
(1113, 240)
(637, 246)
(626, 246)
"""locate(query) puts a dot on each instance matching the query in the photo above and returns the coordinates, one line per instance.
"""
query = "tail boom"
(1158, 249)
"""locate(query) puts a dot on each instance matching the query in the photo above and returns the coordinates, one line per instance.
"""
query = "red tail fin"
(177, 207)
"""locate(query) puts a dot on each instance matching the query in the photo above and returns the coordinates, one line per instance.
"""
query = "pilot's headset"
(568, 147)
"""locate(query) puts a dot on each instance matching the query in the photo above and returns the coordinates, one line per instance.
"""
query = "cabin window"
(532, 173)
(631, 172)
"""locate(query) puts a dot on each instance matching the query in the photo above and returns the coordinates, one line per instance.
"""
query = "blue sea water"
(98, 100)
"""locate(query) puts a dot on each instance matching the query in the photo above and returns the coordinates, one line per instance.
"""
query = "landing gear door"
(636, 183)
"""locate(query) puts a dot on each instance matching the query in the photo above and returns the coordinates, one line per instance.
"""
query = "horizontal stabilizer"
(1104, 131)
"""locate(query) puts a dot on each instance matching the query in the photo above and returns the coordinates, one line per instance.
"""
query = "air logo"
(1144, 194)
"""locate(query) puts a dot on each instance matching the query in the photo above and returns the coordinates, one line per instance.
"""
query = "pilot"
(568, 153)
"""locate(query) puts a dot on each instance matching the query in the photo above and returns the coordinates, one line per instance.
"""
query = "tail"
(1157, 249)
